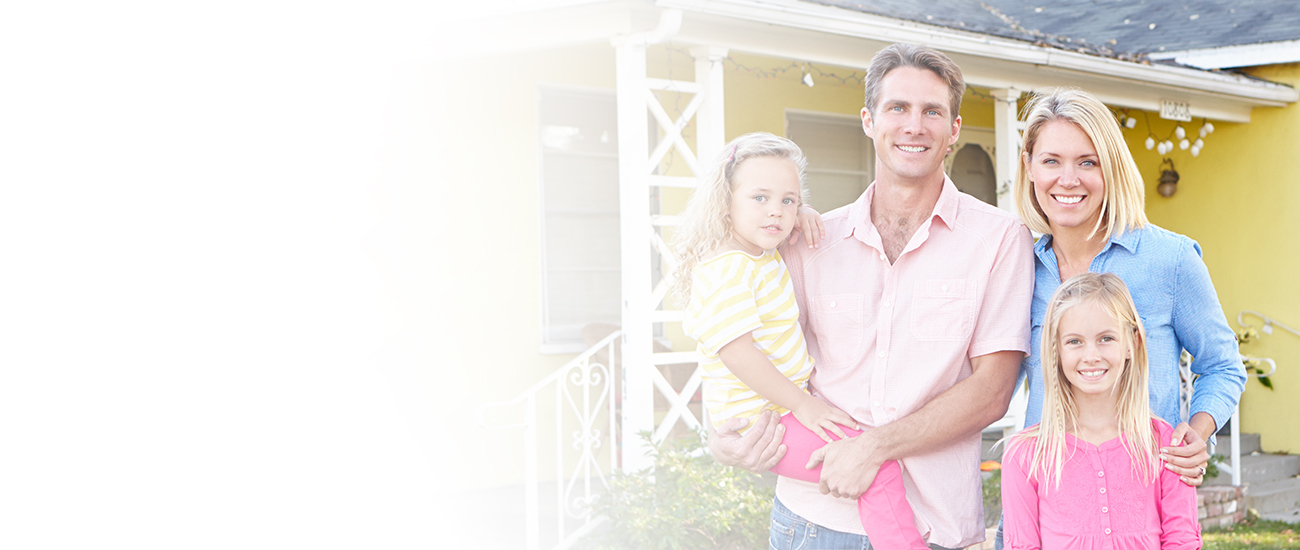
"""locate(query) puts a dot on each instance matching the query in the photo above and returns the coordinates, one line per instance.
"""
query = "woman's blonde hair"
(1061, 413)
(706, 224)
(1124, 197)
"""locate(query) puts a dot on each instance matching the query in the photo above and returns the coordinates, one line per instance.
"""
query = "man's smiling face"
(912, 125)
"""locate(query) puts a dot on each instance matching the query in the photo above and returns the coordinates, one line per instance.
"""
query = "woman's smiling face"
(1067, 178)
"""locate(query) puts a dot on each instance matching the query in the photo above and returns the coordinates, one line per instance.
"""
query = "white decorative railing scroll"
(1232, 465)
(584, 430)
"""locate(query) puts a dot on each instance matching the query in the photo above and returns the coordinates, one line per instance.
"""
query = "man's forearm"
(962, 410)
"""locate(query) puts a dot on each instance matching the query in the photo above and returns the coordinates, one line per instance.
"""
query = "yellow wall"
(1241, 200)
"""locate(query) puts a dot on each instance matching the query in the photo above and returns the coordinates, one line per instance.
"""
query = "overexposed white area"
(195, 278)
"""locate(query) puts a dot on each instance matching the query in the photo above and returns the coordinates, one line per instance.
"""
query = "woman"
(1078, 185)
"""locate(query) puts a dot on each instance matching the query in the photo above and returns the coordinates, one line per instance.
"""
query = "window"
(841, 159)
(579, 215)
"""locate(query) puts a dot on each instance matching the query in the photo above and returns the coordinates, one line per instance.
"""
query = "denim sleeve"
(1203, 331)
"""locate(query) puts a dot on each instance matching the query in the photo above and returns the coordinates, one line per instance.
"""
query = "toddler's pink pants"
(886, 516)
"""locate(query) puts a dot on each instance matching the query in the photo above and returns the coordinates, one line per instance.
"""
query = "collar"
(1128, 240)
(945, 208)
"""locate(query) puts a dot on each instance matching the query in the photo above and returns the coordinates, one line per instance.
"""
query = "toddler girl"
(743, 315)
(1088, 475)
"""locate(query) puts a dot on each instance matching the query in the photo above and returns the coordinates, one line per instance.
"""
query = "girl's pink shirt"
(1100, 504)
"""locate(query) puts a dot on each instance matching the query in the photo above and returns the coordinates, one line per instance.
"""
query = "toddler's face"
(764, 203)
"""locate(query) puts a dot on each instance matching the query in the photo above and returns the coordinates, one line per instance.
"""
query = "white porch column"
(1007, 129)
(709, 120)
(634, 225)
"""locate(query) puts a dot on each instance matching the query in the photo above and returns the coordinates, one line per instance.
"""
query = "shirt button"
(882, 256)
(1108, 530)
(1104, 509)
(880, 353)
(1103, 490)
(1101, 474)
(944, 288)
(876, 404)
(886, 304)
(832, 305)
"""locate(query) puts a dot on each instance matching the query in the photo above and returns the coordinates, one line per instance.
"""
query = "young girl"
(743, 315)
(1088, 475)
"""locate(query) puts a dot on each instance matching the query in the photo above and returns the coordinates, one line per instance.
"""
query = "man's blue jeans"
(790, 531)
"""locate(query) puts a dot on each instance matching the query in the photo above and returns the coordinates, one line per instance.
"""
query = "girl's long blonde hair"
(706, 223)
(1061, 413)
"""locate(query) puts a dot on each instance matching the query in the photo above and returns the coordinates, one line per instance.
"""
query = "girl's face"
(1093, 349)
(1066, 174)
(764, 203)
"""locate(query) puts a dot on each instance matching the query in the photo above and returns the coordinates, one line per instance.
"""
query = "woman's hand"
(809, 224)
(1186, 455)
(820, 417)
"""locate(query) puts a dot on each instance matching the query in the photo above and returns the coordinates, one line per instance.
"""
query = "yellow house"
(560, 138)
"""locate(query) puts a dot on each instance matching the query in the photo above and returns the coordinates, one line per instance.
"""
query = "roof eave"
(796, 14)
(1245, 55)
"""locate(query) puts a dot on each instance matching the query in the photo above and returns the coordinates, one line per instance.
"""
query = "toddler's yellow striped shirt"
(733, 295)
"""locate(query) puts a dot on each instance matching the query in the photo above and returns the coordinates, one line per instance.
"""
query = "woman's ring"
(1202, 471)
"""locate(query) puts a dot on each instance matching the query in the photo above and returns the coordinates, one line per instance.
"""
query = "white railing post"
(532, 514)
(1235, 439)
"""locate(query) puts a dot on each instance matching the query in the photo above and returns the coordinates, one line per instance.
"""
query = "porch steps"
(1272, 480)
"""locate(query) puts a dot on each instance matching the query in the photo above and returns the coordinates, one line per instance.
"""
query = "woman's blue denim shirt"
(1179, 308)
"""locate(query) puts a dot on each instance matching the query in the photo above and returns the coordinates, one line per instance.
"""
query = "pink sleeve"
(1019, 499)
(1179, 528)
(1002, 323)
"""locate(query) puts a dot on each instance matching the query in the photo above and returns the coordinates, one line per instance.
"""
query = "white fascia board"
(1246, 55)
(521, 27)
(802, 15)
(846, 51)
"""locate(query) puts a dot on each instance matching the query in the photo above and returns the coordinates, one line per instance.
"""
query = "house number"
(1174, 110)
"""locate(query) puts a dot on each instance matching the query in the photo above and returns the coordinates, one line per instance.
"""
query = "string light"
(805, 69)
(1177, 137)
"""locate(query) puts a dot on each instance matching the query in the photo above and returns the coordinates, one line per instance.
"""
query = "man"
(916, 308)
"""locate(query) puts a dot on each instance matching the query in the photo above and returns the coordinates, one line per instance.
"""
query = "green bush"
(992, 498)
(687, 501)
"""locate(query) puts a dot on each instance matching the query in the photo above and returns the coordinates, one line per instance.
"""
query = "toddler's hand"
(819, 417)
(809, 224)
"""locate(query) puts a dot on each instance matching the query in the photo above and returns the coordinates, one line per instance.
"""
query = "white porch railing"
(1232, 463)
(1184, 367)
(585, 419)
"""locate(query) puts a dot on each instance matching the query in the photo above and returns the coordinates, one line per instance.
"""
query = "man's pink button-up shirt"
(887, 339)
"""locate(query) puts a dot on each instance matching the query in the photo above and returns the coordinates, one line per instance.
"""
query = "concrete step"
(1274, 496)
(1261, 468)
(1289, 516)
(1249, 444)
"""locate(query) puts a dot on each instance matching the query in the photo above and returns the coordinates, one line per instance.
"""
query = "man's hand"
(848, 466)
(757, 451)
(1186, 455)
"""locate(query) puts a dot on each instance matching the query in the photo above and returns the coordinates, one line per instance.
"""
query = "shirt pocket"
(943, 310)
(837, 323)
